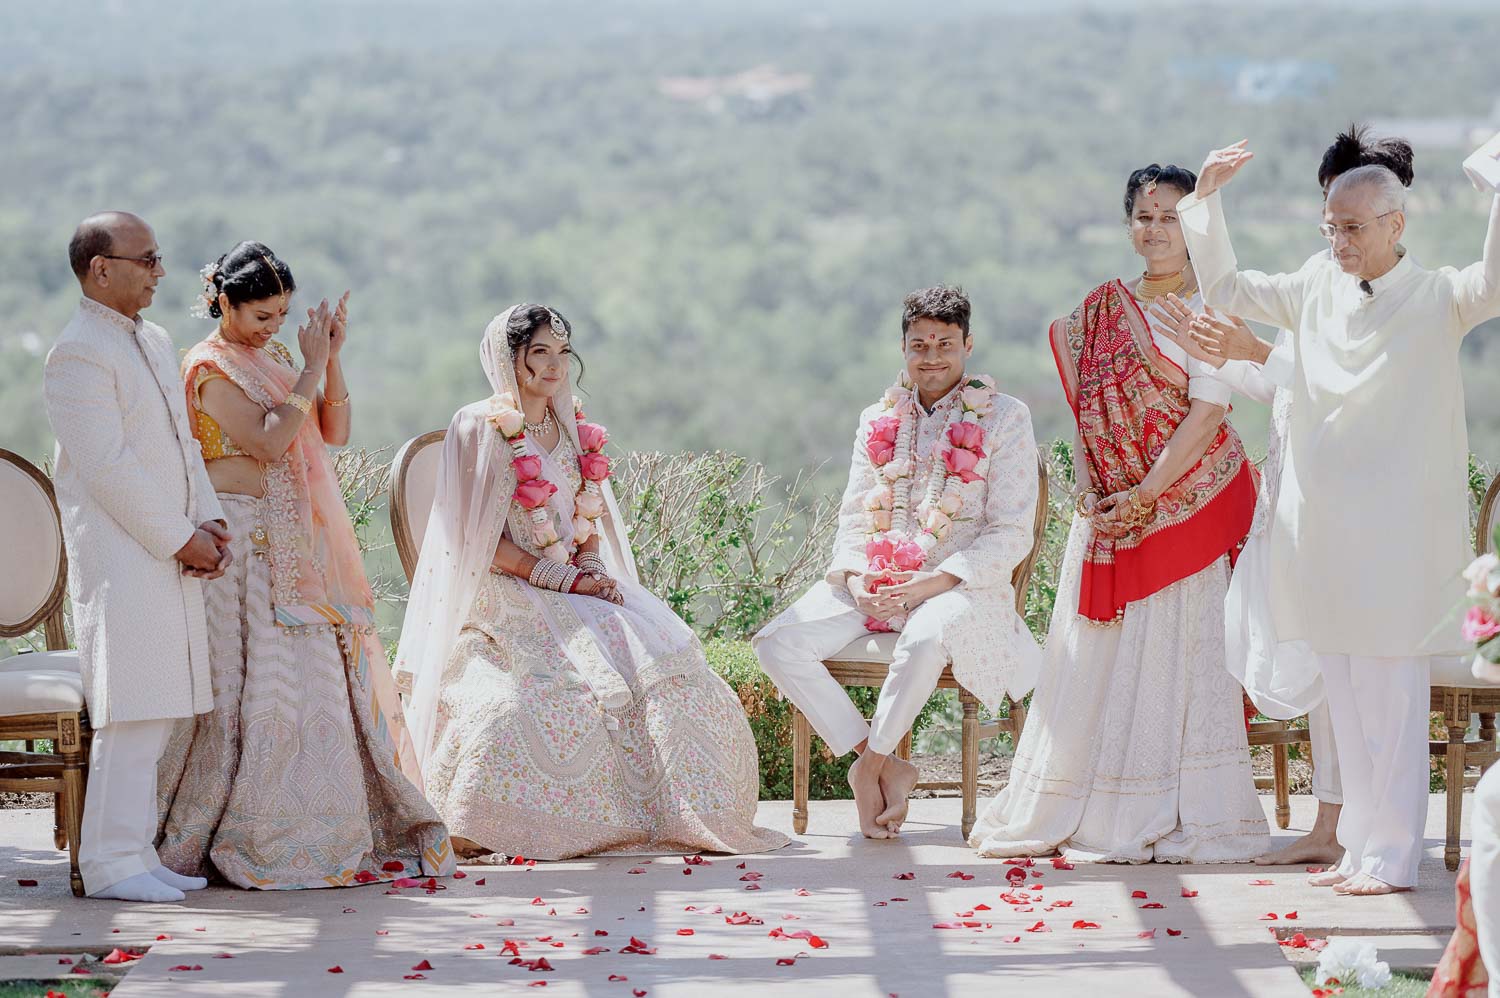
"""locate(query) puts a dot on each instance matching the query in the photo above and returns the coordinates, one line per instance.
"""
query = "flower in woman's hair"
(527, 467)
(885, 428)
(583, 528)
(939, 523)
(592, 437)
(950, 502)
(1479, 625)
(555, 552)
(880, 451)
(897, 469)
(589, 505)
(880, 519)
(595, 467)
(1483, 576)
(534, 494)
(980, 400)
(969, 436)
(962, 463)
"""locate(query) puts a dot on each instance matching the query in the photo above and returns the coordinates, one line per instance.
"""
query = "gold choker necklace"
(1151, 288)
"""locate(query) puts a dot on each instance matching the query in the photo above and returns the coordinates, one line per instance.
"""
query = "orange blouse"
(210, 435)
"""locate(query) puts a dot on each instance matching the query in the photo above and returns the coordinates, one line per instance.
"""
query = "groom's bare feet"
(1314, 847)
(864, 780)
(898, 778)
(1328, 878)
(1364, 885)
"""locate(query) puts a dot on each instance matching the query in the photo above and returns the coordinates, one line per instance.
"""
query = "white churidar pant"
(793, 655)
(1327, 784)
(119, 813)
(1379, 712)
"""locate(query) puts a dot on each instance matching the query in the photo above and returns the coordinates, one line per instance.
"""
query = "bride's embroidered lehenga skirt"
(1135, 748)
(526, 762)
(292, 780)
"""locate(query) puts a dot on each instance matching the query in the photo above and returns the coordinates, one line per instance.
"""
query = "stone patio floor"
(879, 935)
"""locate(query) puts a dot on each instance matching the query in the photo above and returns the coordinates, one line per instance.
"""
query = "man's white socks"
(141, 887)
(174, 879)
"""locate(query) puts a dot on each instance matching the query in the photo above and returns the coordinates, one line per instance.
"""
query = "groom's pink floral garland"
(891, 446)
(533, 491)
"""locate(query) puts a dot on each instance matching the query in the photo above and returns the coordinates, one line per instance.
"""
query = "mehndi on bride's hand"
(599, 587)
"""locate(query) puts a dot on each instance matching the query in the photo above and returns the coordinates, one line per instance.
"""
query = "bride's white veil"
(471, 503)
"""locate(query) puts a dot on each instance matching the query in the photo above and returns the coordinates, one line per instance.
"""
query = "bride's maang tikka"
(559, 330)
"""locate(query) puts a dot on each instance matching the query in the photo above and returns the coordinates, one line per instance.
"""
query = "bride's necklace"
(1151, 288)
(544, 427)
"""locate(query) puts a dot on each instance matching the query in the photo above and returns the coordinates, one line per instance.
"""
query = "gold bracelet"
(1078, 503)
(299, 402)
(336, 402)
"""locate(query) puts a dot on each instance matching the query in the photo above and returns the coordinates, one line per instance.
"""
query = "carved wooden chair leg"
(801, 760)
(70, 801)
(1456, 718)
(970, 737)
(903, 750)
(1279, 765)
(1487, 728)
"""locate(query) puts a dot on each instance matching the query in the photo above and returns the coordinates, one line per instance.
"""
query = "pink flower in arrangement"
(962, 463)
(969, 436)
(583, 529)
(535, 493)
(1479, 626)
(878, 626)
(880, 554)
(508, 421)
(885, 428)
(880, 519)
(595, 467)
(908, 556)
(528, 467)
(980, 400)
(878, 498)
(592, 437)
(589, 505)
(880, 451)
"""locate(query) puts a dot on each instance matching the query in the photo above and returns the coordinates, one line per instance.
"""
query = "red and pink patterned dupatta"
(317, 573)
(1128, 400)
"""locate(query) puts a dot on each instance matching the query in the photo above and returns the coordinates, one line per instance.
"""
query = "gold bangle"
(1078, 503)
(336, 402)
(299, 402)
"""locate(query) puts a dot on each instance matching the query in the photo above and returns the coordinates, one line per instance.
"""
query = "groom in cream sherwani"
(143, 528)
(946, 463)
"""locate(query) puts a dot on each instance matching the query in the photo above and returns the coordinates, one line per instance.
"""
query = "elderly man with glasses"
(1371, 527)
(143, 528)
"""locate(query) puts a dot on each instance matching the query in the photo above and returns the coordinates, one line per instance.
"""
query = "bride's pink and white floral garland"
(533, 491)
(892, 448)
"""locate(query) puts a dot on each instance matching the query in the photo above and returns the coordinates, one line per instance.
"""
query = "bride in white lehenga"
(559, 708)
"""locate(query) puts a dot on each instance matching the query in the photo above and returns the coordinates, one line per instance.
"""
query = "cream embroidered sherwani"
(132, 488)
(975, 625)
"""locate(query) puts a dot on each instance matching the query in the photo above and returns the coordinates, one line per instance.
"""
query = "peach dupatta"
(317, 572)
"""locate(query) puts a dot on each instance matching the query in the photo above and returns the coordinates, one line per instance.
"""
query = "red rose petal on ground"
(117, 956)
(1015, 875)
(635, 869)
(752, 875)
(639, 992)
(382, 932)
(1269, 916)
(1147, 934)
(947, 925)
(717, 956)
(618, 977)
(752, 887)
(1081, 924)
(183, 968)
(1290, 914)
(1061, 904)
(803, 892)
(537, 901)
(1039, 927)
(879, 904)
(459, 875)
(351, 911)
(223, 956)
(580, 911)
(696, 861)
(26, 883)
(365, 877)
(65, 962)
(335, 969)
(163, 937)
(424, 965)
(475, 946)
(79, 970)
(905, 876)
(1058, 863)
(479, 882)
(406, 882)
(600, 932)
(1152, 905)
(894, 900)
(786, 961)
(1262, 883)
(414, 977)
(1011, 939)
(393, 866)
(981, 907)
(1174, 932)
(595, 950)
(685, 932)
(1139, 894)
(506, 923)
(537, 984)
(1189, 894)
(686, 872)
(961, 875)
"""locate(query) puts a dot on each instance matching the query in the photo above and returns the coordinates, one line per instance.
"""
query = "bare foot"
(1328, 878)
(864, 780)
(1310, 848)
(898, 778)
(1364, 885)
(467, 848)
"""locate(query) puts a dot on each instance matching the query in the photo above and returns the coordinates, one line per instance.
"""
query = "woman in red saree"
(303, 774)
(1135, 746)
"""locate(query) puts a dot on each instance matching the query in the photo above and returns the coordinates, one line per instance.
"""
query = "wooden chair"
(1457, 695)
(41, 693)
(865, 662)
(413, 487)
(1279, 735)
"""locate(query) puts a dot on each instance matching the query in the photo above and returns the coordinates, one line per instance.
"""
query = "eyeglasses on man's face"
(150, 261)
(1350, 230)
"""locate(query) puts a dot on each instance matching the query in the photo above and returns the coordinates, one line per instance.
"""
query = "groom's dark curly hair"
(945, 303)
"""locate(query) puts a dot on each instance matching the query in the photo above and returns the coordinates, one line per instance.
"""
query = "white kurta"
(1371, 525)
(992, 652)
(131, 487)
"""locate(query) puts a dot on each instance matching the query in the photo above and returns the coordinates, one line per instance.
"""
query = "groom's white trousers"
(1379, 710)
(1484, 873)
(1327, 784)
(119, 811)
(793, 654)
